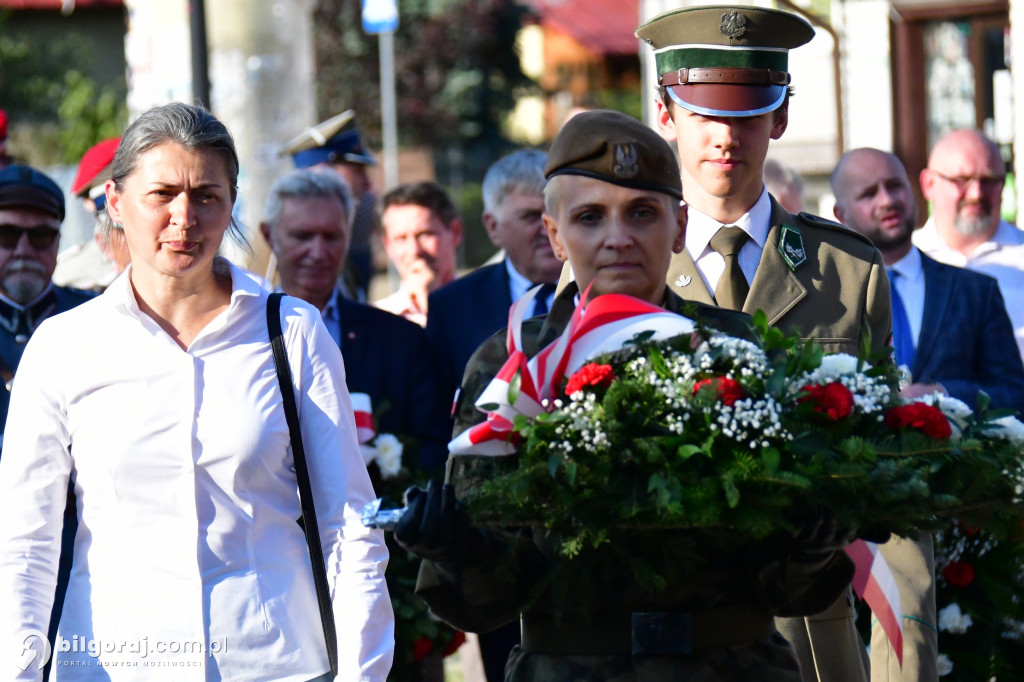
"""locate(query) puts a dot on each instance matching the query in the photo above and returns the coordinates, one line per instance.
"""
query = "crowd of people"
(168, 517)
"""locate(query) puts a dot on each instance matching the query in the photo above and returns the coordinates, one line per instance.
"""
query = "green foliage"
(644, 477)
(66, 111)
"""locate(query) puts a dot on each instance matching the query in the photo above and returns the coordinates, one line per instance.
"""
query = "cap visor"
(724, 99)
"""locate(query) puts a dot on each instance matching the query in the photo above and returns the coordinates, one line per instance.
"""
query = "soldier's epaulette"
(818, 221)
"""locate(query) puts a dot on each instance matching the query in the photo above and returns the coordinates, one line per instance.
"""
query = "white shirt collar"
(909, 267)
(517, 284)
(756, 222)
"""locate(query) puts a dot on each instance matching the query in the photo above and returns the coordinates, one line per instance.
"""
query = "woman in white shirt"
(160, 400)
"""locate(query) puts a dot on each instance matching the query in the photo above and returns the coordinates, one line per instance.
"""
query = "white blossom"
(944, 664)
(1007, 428)
(953, 620)
(838, 365)
(389, 455)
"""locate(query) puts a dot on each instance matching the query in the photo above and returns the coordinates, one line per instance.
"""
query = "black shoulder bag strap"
(316, 555)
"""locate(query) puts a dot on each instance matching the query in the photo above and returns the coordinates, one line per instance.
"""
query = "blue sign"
(380, 16)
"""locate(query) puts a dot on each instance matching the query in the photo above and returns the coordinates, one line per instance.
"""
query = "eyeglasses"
(962, 182)
(39, 238)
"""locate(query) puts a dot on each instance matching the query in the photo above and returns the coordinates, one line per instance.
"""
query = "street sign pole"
(381, 17)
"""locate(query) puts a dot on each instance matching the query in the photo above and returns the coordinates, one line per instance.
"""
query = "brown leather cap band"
(731, 76)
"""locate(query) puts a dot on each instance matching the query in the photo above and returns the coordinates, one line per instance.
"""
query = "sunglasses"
(38, 237)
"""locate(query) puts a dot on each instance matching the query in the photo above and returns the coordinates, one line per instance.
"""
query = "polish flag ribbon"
(363, 412)
(606, 324)
(874, 582)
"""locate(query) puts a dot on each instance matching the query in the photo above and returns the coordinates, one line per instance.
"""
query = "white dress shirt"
(1001, 257)
(910, 286)
(700, 228)
(187, 500)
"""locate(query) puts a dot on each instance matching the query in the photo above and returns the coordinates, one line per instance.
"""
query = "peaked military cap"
(615, 148)
(725, 60)
(25, 187)
(336, 140)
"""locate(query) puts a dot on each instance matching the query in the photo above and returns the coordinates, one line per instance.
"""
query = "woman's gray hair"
(521, 170)
(192, 127)
(307, 184)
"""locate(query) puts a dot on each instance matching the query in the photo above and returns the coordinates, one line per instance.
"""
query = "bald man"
(964, 183)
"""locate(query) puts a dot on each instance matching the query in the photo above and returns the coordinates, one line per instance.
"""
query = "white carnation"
(838, 364)
(953, 620)
(944, 664)
(389, 455)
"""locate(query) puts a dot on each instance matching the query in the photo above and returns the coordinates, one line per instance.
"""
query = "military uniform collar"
(21, 321)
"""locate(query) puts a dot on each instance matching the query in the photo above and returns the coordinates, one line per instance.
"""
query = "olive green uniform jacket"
(731, 601)
(839, 296)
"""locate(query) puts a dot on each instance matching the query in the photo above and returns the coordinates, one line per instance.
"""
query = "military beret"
(25, 187)
(336, 140)
(94, 171)
(615, 148)
(725, 60)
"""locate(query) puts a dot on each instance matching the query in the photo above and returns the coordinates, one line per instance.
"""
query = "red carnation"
(458, 639)
(590, 374)
(959, 573)
(421, 648)
(728, 390)
(927, 419)
(832, 400)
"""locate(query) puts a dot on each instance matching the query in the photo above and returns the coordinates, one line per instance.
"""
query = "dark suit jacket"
(966, 341)
(390, 359)
(462, 315)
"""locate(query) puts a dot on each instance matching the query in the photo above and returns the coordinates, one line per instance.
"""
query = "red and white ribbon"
(363, 411)
(605, 325)
(874, 582)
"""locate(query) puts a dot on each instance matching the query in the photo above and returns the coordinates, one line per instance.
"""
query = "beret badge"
(734, 25)
(626, 165)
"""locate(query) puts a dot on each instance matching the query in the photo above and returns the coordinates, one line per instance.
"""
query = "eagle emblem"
(625, 166)
(734, 25)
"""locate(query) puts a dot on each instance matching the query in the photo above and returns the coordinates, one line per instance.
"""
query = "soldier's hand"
(435, 525)
(821, 536)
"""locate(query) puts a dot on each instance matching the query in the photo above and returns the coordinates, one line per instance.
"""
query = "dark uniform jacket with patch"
(729, 604)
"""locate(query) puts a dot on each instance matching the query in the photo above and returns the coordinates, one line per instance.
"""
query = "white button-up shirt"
(188, 562)
(700, 228)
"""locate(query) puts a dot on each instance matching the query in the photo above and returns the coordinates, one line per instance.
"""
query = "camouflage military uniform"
(726, 610)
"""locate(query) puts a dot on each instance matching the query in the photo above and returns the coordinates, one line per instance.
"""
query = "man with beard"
(421, 232)
(964, 183)
(31, 211)
(873, 196)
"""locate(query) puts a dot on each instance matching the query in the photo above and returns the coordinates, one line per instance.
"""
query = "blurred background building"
(477, 78)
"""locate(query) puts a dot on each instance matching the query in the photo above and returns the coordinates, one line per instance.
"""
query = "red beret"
(92, 166)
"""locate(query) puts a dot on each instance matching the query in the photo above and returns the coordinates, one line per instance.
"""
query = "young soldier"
(724, 94)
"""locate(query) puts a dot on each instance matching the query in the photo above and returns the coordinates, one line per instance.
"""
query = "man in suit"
(873, 196)
(964, 183)
(464, 313)
(307, 221)
(724, 97)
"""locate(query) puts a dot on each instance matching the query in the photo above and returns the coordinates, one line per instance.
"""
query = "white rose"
(389, 455)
